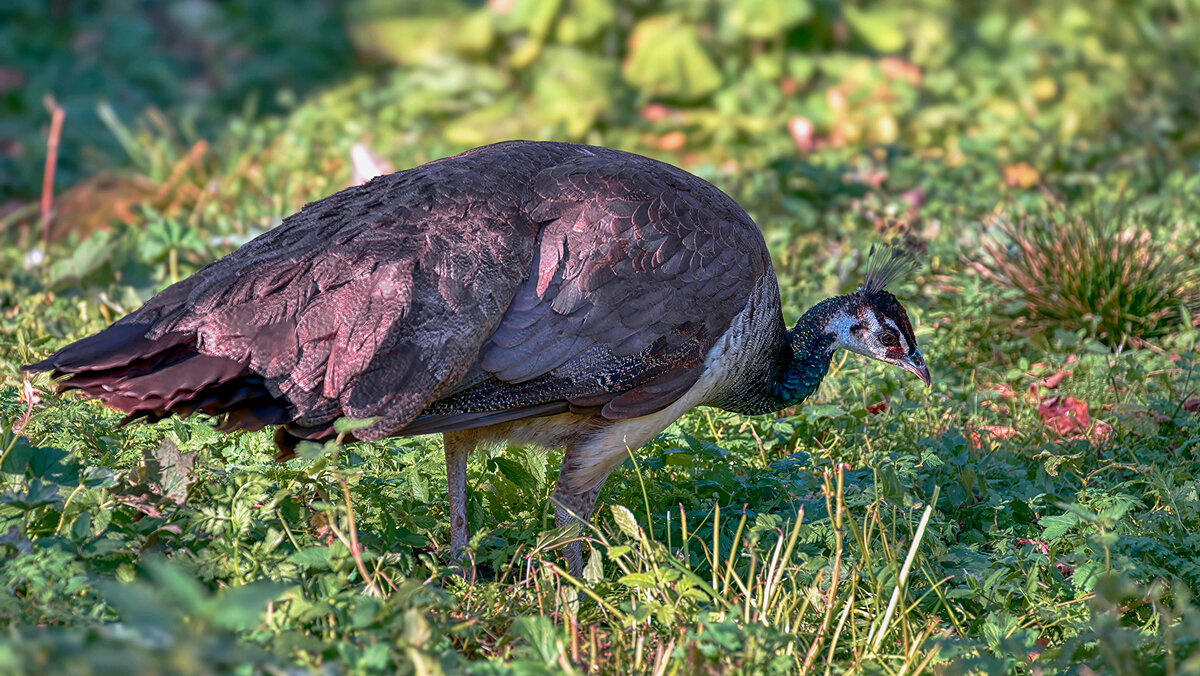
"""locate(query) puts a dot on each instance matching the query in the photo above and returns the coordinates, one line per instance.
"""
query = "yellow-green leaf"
(766, 18)
(667, 59)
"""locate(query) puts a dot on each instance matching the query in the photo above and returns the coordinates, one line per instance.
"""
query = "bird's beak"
(917, 365)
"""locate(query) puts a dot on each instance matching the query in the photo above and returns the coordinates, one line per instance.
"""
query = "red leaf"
(1052, 382)
(1065, 415)
(655, 112)
(877, 408)
(998, 431)
(672, 140)
(1192, 405)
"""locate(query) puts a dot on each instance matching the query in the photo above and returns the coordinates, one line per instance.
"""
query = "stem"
(56, 121)
(912, 554)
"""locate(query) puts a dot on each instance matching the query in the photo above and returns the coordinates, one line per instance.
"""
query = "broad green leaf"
(573, 90)
(346, 425)
(818, 411)
(36, 494)
(1054, 527)
(593, 572)
(418, 483)
(541, 634)
(410, 40)
(880, 28)
(557, 536)
(514, 472)
(640, 580)
(766, 18)
(626, 521)
(585, 20)
(311, 557)
(242, 607)
(667, 59)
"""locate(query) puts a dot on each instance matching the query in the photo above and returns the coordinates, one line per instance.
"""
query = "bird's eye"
(889, 340)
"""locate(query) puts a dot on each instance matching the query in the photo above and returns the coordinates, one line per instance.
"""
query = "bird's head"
(875, 324)
(871, 321)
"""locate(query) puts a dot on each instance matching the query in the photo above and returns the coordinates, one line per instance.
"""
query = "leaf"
(37, 494)
(556, 537)
(882, 29)
(640, 580)
(626, 522)
(16, 539)
(1065, 415)
(1054, 527)
(514, 472)
(541, 634)
(241, 608)
(585, 20)
(311, 557)
(666, 59)
(348, 425)
(418, 483)
(766, 18)
(818, 411)
(170, 471)
(1021, 175)
(409, 40)
(997, 627)
(593, 572)
(617, 551)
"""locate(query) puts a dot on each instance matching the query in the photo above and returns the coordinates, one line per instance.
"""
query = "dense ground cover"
(1036, 511)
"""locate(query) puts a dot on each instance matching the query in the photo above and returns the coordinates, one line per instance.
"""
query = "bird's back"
(514, 280)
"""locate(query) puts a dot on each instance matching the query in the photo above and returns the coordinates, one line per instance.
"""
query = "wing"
(639, 269)
(369, 303)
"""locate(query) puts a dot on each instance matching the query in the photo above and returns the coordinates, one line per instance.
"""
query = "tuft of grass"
(1117, 273)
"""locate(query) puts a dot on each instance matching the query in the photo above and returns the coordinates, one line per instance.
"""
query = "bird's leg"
(569, 505)
(458, 448)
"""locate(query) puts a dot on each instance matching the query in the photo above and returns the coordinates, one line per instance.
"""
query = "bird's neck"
(805, 356)
(794, 365)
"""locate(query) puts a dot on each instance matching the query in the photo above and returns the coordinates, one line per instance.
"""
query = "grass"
(1118, 275)
(1036, 511)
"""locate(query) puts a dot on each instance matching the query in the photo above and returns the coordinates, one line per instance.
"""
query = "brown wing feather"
(640, 268)
(514, 280)
(369, 303)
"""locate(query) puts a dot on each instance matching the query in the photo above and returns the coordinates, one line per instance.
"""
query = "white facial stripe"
(903, 341)
(846, 338)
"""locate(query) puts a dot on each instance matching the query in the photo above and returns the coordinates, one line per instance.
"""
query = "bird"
(532, 293)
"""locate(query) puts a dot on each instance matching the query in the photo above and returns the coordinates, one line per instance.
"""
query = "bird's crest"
(891, 261)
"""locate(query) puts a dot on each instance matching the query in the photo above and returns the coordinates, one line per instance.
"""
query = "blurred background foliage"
(1048, 152)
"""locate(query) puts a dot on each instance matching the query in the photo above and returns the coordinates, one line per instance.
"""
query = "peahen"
(538, 293)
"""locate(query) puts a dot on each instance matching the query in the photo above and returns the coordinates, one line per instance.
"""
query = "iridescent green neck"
(794, 369)
(811, 346)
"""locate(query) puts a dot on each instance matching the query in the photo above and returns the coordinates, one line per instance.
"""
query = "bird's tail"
(153, 378)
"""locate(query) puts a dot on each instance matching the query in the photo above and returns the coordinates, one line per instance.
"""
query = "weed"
(1117, 273)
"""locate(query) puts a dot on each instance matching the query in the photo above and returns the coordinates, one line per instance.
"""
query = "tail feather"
(151, 379)
(116, 346)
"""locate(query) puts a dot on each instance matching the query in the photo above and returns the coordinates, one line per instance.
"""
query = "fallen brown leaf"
(672, 140)
(655, 112)
(999, 431)
(898, 69)
(1100, 432)
(1052, 382)
(1021, 175)
(1192, 405)
(1065, 415)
